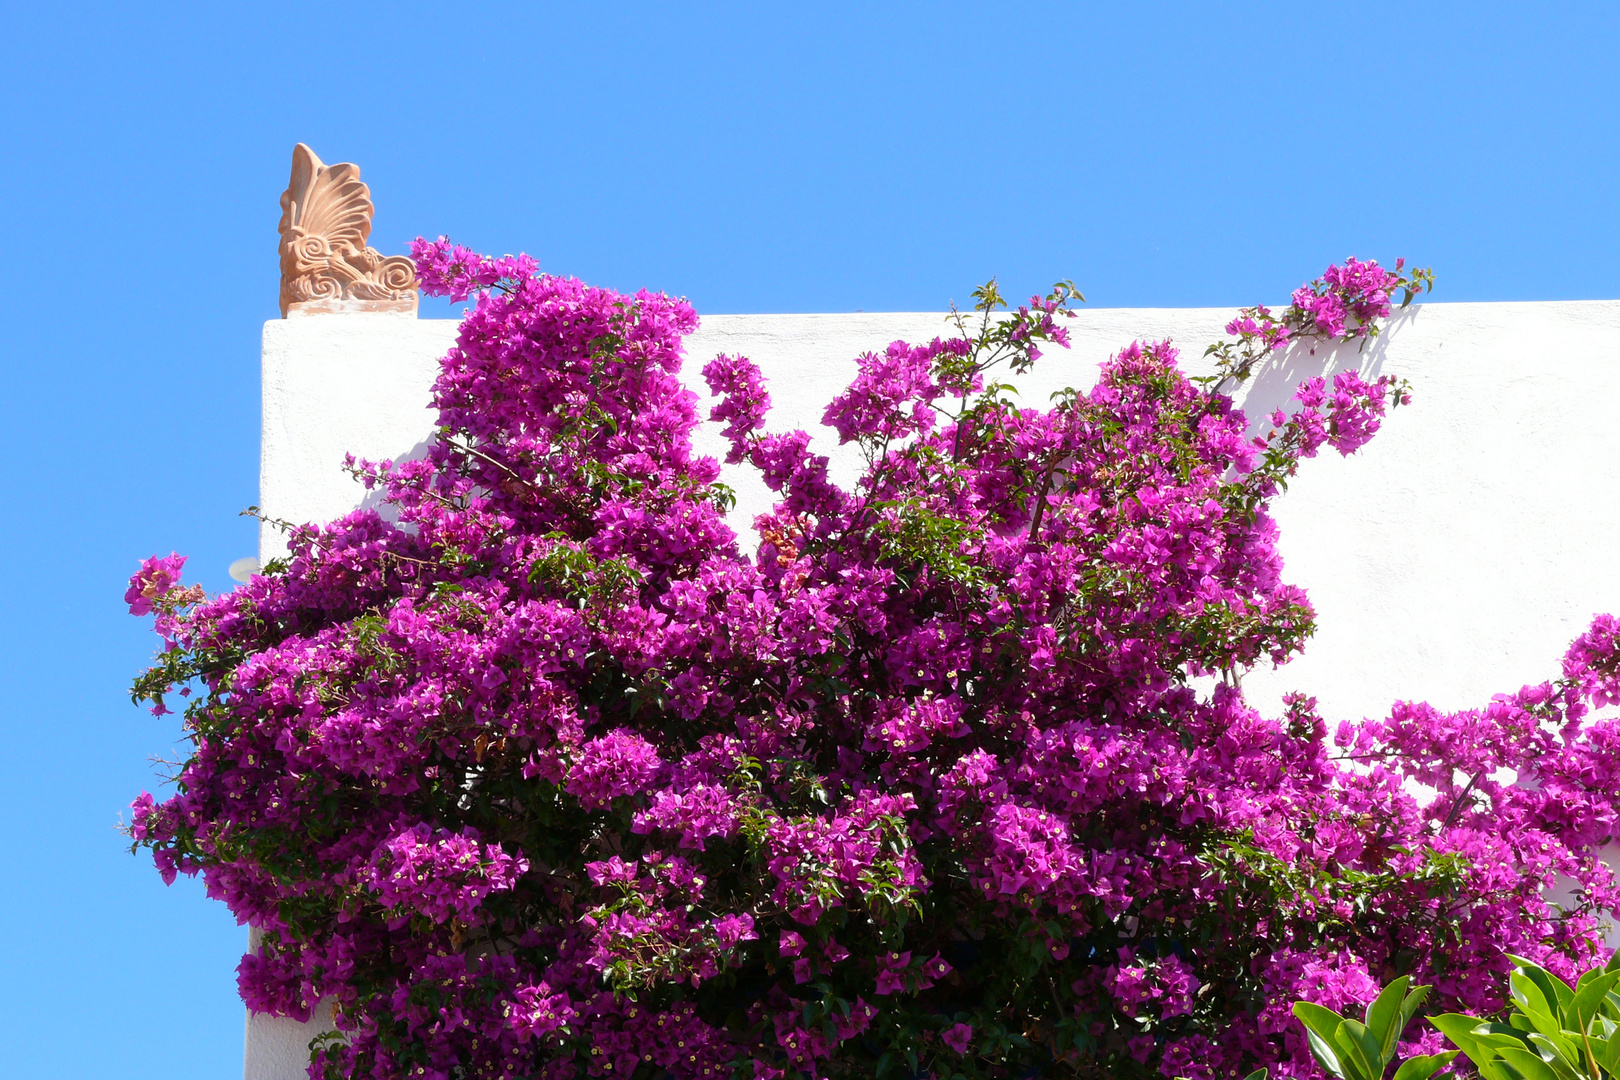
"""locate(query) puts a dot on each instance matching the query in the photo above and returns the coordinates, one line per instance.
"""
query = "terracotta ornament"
(325, 263)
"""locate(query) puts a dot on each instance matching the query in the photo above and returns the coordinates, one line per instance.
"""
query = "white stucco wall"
(1453, 558)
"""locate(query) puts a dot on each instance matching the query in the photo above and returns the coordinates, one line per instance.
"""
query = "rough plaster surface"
(1452, 558)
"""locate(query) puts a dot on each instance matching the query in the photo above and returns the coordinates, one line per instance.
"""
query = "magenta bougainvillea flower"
(542, 772)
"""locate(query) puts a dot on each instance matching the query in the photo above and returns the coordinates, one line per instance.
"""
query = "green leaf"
(1317, 1018)
(1557, 992)
(1359, 1049)
(1496, 1037)
(1561, 1055)
(1567, 1044)
(1320, 1025)
(1414, 1002)
(1606, 1049)
(1587, 1004)
(1258, 1074)
(1327, 1057)
(1424, 1066)
(1529, 1065)
(1383, 1014)
(1532, 1003)
(1482, 1042)
(1462, 1031)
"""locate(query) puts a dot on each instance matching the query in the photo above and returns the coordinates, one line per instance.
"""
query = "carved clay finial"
(325, 264)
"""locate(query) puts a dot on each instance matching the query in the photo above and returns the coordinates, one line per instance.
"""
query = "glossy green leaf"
(1326, 1056)
(1588, 1001)
(1409, 1007)
(1564, 1044)
(1556, 991)
(1424, 1066)
(1482, 1042)
(1529, 1065)
(1414, 1001)
(1384, 1016)
(1611, 1005)
(1495, 1037)
(1320, 1026)
(1561, 1056)
(1460, 1030)
(1606, 1050)
(1533, 1004)
(1500, 1035)
(1360, 1049)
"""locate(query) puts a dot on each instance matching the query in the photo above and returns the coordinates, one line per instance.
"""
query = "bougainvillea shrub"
(542, 771)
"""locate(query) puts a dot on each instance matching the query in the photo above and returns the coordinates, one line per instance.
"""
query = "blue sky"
(753, 158)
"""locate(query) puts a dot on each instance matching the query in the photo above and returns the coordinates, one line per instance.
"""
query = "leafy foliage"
(1554, 1031)
(1364, 1049)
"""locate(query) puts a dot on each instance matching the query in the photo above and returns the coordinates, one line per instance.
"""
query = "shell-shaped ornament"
(325, 263)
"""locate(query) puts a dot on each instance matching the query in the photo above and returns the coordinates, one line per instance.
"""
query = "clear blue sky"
(755, 158)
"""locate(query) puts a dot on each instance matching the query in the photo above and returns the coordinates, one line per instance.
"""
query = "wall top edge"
(1458, 306)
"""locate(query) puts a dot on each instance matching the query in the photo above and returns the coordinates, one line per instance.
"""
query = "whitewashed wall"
(1453, 558)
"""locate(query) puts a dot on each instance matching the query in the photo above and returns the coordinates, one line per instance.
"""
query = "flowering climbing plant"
(542, 771)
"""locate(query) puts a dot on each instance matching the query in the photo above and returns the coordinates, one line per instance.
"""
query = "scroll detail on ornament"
(325, 263)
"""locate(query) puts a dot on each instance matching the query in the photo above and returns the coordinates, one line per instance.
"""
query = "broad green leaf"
(1565, 1044)
(1463, 1032)
(1320, 1024)
(1561, 1056)
(1529, 1065)
(1384, 1014)
(1258, 1074)
(1326, 1056)
(1360, 1049)
(1317, 1018)
(1423, 1066)
(1607, 1052)
(1414, 1001)
(1409, 1007)
(1500, 1035)
(1557, 992)
(1588, 1001)
(1497, 1037)
(1533, 1004)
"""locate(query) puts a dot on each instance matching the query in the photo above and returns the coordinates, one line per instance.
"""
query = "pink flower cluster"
(440, 874)
(446, 269)
(544, 774)
(618, 763)
(1344, 304)
(821, 862)
(1349, 298)
(152, 582)
(1165, 986)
